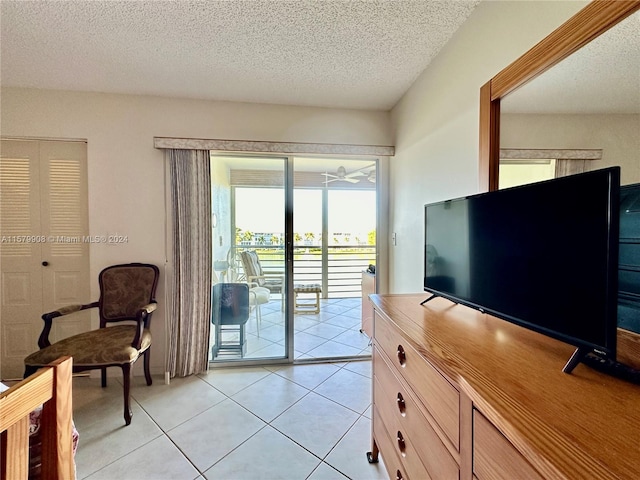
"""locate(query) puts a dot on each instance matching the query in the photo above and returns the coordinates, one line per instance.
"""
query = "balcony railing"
(342, 276)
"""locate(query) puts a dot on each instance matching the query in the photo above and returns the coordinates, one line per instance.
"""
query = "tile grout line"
(165, 432)
(269, 423)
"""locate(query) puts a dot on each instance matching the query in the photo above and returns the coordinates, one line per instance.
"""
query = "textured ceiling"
(353, 54)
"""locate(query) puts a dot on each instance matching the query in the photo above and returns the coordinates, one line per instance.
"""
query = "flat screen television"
(542, 255)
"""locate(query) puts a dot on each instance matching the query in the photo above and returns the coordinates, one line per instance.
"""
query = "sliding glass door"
(334, 242)
(301, 225)
(249, 239)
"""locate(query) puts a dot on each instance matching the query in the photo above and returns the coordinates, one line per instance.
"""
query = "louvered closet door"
(19, 260)
(64, 219)
(44, 259)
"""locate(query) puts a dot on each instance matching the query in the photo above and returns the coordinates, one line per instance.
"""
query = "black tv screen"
(542, 255)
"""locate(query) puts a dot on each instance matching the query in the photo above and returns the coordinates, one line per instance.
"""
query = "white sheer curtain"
(190, 304)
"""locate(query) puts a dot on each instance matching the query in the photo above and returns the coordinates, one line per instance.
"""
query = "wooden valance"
(556, 154)
(217, 145)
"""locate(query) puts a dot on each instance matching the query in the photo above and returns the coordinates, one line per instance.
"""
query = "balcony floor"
(334, 332)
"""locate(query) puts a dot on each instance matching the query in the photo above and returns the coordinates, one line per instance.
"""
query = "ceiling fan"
(351, 177)
(342, 175)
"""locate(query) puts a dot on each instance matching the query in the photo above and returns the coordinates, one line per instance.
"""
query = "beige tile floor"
(309, 421)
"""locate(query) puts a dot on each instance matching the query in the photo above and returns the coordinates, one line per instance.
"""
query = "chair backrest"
(251, 266)
(124, 289)
(230, 303)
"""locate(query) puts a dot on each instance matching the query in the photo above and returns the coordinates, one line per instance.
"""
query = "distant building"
(308, 240)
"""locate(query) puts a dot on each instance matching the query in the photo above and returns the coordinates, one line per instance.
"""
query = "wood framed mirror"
(589, 23)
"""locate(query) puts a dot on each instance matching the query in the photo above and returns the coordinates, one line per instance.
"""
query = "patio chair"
(258, 296)
(127, 297)
(257, 277)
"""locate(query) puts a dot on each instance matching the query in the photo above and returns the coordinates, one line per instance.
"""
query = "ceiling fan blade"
(360, 172)
(352, 177)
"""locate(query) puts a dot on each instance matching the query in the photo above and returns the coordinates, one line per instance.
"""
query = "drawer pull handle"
(399, 475)
(402, 406)
(402, 358)
(401, 445)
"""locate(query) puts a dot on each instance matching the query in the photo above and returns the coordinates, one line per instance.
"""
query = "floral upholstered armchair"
(127, 298)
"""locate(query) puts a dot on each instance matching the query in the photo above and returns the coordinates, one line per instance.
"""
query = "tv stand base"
(429, 298)
(577, 357)
(435, 295)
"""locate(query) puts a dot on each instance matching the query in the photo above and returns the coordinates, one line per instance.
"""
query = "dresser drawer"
(401, 413)
(396, 447)
(440, 398)
(494, 457)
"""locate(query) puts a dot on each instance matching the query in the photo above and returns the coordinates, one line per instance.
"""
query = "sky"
(261, 210)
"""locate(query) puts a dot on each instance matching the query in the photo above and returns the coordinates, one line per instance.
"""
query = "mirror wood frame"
(590, 22)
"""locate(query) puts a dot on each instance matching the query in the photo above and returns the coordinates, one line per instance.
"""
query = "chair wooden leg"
(147, 371)
(126, 385)
(103, 376)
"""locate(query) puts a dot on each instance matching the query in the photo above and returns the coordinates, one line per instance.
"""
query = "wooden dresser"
(459, 394)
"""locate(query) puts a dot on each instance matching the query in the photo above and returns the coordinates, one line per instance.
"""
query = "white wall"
(617, 135)
(436, 123)
(126, 174)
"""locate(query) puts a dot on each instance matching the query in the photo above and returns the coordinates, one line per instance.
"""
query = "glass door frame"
(289, 186)
(288, 261)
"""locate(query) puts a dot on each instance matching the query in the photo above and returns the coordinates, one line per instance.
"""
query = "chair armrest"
(143, 318)
(150, 307)
(274, 275)
(43, 340)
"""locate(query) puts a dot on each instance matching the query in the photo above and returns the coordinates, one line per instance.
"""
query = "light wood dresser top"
(579, 425)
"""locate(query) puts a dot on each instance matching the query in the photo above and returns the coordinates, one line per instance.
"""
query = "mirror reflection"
(586, 106)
